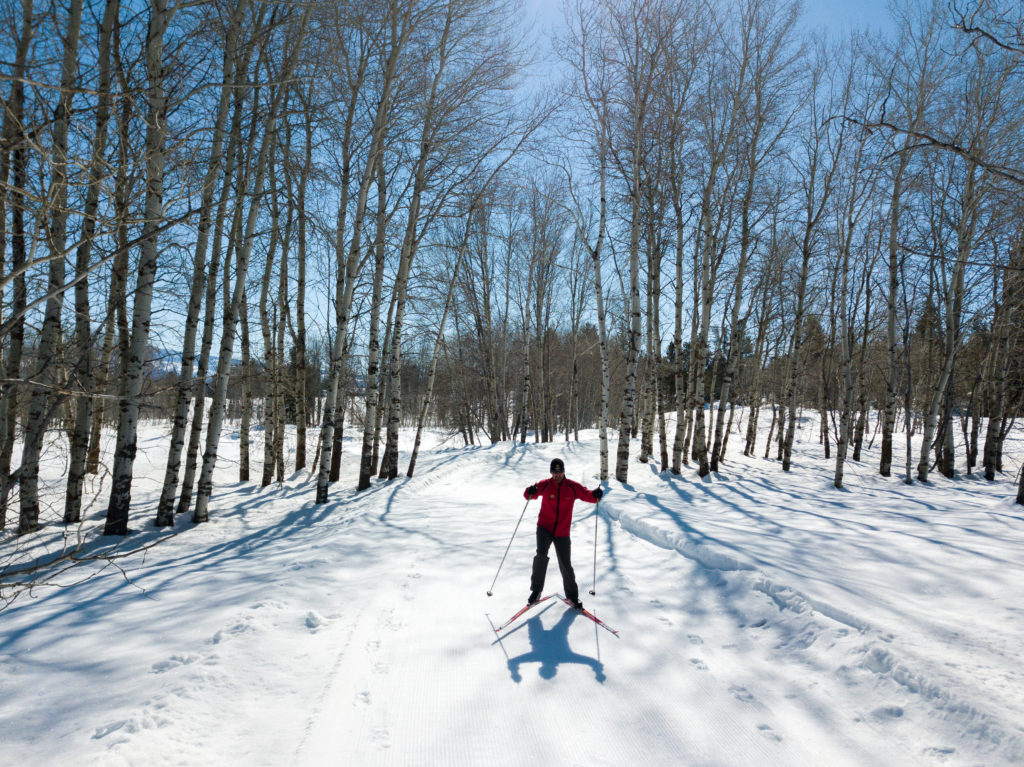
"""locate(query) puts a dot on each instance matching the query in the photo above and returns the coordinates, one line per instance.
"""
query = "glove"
(598, 493)
(532, 490)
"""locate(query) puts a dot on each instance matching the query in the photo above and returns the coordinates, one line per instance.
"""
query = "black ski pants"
(563, 550)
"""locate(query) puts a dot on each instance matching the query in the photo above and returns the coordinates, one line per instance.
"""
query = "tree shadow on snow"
(550, 648)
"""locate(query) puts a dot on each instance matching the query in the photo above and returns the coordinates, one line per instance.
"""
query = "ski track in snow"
(765, 620)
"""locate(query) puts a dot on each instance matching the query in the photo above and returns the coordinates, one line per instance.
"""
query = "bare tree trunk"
(124, 452)
(245, 406)
(953, 301)
(438, 341)
(234, 169)
(270, 370)
(83, 334)
(399, 34)
(895, 210)
(301, 364)
(12, 158)
(526, 398)
(846, 364)
(201, 513)
(187, 383)
(1006, 317)
(117, 309)
(282, 317)
(679, 455)
(633, 352)
(602, 332)
(373, 350)
(42, 400)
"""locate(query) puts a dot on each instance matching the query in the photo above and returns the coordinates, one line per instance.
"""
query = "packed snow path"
(765, 619)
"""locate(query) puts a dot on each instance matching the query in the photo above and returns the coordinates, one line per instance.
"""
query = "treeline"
(370, 211)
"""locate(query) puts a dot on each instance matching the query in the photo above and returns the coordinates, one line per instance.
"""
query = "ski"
(587, 613)
(512, 620)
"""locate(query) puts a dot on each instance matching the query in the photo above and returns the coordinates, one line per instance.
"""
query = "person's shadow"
(550, 648)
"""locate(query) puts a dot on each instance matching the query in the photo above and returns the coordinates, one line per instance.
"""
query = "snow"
(765, 618)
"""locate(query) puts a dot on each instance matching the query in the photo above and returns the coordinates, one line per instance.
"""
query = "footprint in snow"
(102, 732)
(694, 639)
(698, 664)
(381, 736)
(239, 628)
(939, 752)
(887, 712)
(769, 733)
(742, 694)
(363, 698)
(173, 662)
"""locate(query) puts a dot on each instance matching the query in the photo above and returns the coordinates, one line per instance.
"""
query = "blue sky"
(837, 15)
(844, 14)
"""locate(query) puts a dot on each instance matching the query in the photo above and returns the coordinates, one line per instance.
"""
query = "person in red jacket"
(558, 495)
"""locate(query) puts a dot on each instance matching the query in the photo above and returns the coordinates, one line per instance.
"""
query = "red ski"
(587, 613)
(512, 620)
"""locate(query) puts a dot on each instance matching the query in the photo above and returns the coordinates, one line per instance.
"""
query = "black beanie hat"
(557, 465)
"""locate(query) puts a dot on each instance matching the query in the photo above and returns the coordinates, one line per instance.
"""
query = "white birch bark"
(400, 29)
(188, 384)
(213, 429)
(41, 400)
(12, 161)
(128, 412)
(953, 301)
(83, 333)
(373, 348)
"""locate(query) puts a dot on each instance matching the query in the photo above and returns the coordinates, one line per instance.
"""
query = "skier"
(558, 496)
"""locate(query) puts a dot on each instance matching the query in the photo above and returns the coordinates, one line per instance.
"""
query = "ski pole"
(597, 508)
(490, 591)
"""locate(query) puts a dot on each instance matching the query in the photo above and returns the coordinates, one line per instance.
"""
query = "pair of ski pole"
(592, 592)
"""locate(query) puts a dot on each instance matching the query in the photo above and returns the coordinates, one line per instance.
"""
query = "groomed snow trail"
(765, 619)
(424, 679)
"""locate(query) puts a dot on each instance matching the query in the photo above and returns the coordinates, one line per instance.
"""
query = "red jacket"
(556, 503)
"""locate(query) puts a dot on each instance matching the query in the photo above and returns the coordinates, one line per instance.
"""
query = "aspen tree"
(410, 241)
(278, 90)
(234, 169)
(399, 27)
(156, 136)
(982, 102)
(461, 249)
(639, 35)
(1007, 314)
(766, 30)
(299, 337)
(373, 348)
(188, 383)
(270, 363)
(585, 49)
(42, 400)
(915, 69)
(116, 330)
(83, 331)
(12, 166)
(822, 143)
(855, 191)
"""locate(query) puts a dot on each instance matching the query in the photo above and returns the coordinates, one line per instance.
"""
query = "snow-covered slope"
(765, 619)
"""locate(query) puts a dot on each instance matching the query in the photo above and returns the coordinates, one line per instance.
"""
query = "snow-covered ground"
(765, 619)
